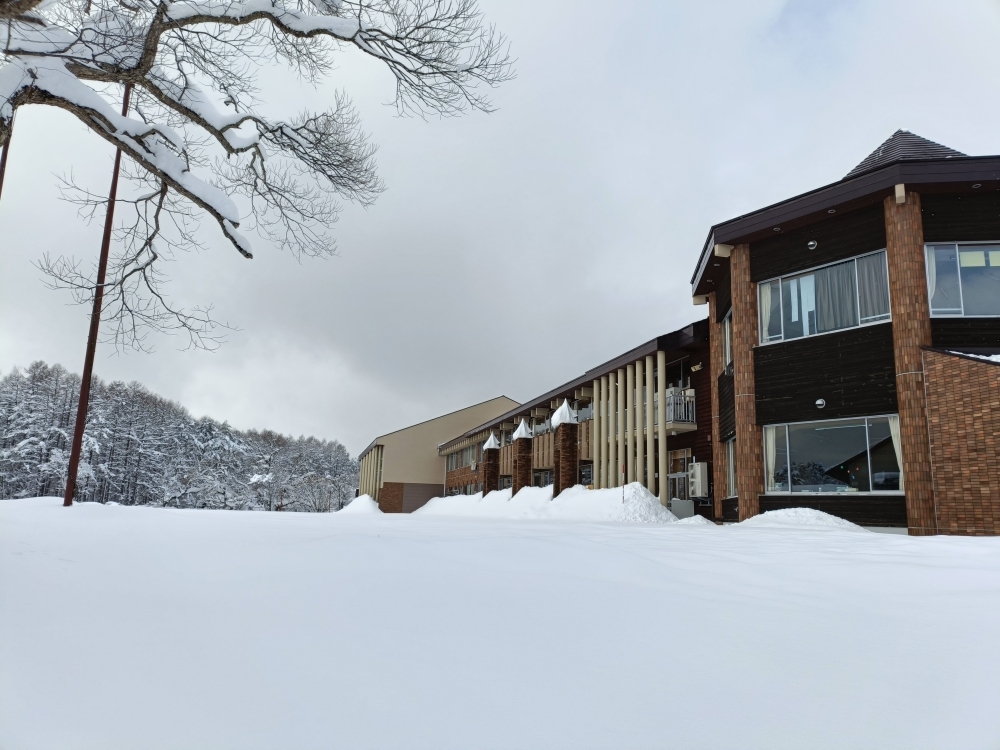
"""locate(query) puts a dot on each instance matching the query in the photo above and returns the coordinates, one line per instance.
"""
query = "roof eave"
(867, 184)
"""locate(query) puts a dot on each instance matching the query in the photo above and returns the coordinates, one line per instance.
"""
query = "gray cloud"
(512, 251)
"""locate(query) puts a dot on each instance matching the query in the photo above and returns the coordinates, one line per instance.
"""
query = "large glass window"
(841, 455)
(838, 296)
(963, 279)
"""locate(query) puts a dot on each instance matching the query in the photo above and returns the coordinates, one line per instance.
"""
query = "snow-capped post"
(95, 323)
(566, 449)
(522, 457)
(491, 465)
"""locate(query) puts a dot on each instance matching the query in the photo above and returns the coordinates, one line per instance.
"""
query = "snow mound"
(575, 504)
(696, 520)
(362, 504)
(800, 517)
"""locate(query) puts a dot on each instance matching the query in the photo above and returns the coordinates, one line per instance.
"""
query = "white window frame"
(731, 489)
(961, 293)
(727, 337)
(857, 299)
(868, 450)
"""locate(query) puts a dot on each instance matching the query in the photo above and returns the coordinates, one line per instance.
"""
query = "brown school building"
(845, 365)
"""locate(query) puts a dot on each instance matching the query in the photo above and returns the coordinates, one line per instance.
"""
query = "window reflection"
(844, 455)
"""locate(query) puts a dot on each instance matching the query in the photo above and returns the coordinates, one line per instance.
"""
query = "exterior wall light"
(812, 244)
(777, 229)
(820, 403)
(832, 211)
(978, 184)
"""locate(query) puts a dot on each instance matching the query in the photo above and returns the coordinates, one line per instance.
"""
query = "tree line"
(141, 449)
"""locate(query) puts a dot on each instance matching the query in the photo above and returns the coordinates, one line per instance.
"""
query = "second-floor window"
(727, 339)
(964, 279)
(841, 295)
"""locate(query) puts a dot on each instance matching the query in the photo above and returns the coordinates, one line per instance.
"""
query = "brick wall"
(963, 420)
(911, 330)
(390, 497)
(491, 470)
(461, 477)
(749, 448)
(567, 457)
(522, 464)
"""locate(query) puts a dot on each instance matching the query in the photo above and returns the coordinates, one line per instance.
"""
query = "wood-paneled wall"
(839, 237)
(853, 371)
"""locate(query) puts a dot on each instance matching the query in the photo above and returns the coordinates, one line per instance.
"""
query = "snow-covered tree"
(140, 449)
(196, 139)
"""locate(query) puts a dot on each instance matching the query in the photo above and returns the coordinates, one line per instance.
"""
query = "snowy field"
(153, 628)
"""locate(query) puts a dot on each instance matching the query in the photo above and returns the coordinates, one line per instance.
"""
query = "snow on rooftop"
(522, 431)
(125, 627)
(564, 415)
(987, 357)
(492, 443)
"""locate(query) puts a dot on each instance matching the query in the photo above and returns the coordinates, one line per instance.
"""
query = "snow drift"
(137, 627)
(362, 504)
(635, 505)
(799, 518)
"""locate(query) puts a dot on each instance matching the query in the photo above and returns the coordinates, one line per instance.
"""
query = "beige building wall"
(410, 455)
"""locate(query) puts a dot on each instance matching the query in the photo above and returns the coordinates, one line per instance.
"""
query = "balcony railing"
(680, 408)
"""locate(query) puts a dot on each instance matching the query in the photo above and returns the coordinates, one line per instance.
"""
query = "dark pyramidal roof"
(903, 145)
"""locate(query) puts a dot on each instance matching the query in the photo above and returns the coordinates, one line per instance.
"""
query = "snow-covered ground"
(152, 628)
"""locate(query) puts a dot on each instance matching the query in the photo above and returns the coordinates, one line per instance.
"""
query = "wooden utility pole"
(3, 154)
(95, 324)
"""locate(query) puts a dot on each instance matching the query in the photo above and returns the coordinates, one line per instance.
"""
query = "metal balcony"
(680, 412)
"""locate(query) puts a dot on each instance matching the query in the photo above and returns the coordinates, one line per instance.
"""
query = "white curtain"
(769, 458)
(931, 274)
(836, 304)
(897, 446)
(873, 285)
(765, 310)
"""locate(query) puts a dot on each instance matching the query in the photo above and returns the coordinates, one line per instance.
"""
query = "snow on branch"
(195, 131)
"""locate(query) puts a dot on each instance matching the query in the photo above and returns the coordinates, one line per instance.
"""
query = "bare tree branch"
(196, 142)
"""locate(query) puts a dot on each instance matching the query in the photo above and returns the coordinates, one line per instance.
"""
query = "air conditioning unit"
(473, 465)
(698, 480)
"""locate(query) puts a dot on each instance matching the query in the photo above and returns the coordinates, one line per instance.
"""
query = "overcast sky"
(513, 251)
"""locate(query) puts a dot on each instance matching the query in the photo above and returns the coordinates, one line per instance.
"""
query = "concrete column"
(749, 441)
(612, 429)
(595, 436)
(661, 418)
(567, 455)
(604, 434)
(491, 470)
(522, 464)
(715, 366)
(650, 429)
(370, 474)
(630, 423)
(622, 417)
(640, 411)
(911, 329)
